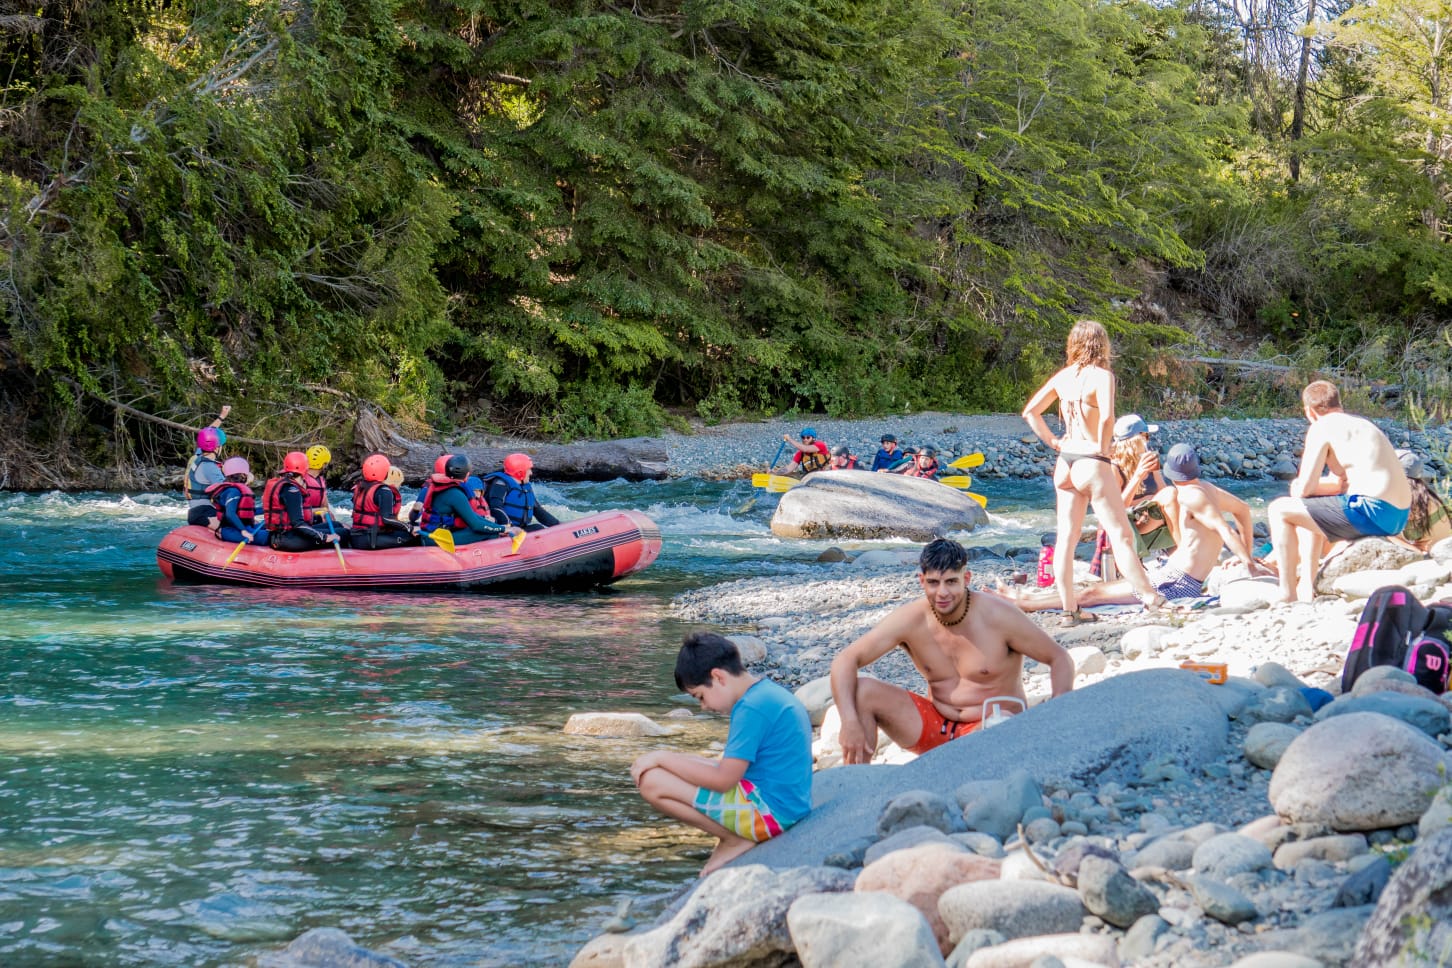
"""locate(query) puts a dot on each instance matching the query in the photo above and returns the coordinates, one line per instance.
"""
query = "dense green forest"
(579, 217)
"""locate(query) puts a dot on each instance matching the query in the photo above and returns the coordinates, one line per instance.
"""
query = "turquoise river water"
(195, 775)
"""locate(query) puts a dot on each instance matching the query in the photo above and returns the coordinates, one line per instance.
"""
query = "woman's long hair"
(1126, 454)
(1088, 345)
(1425, 502)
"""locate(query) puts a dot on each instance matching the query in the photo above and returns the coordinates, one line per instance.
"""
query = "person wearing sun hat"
(1132, 424)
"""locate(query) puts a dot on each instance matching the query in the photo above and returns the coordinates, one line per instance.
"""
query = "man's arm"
(879, 641)
(795, 443)
(1210, 510)
(1027, 639)
(1312, 460)
(718, 775)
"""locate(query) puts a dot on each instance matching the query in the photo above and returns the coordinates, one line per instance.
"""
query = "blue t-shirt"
(884, 459)
(771, 731)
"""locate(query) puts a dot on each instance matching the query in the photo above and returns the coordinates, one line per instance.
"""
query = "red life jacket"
(315, 492)
(918, 470)
(274, 512)
(365, 506)
(438, 484)
(850, 465)
(246, 504)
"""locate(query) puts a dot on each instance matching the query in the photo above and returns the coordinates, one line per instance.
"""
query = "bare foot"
(724, 854)
(1006, 591)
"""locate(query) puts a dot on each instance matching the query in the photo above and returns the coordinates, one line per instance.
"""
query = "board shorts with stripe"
(937, 729)
(1344, 517)
(1174, 583)
(740, 810)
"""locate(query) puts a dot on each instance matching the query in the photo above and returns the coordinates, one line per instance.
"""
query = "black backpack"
(1397, 630)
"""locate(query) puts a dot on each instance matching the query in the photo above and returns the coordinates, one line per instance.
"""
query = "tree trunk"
(1298, 110)
(636, 459)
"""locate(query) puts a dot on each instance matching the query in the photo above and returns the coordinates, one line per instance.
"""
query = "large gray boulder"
(861, 504)
(860, 931)
(1367, 554)
(1413, 919)
(1116, 726)
(1360, 771)
(737, 916)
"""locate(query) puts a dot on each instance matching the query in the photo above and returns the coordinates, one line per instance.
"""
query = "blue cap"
(1182, 464)
(808, 432)
(472, 483)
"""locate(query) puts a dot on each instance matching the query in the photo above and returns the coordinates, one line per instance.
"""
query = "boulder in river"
(861, 504)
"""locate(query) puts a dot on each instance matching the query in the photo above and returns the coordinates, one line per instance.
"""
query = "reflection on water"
(189, 776)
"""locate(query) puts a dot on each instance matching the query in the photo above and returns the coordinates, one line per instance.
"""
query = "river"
(195, 775)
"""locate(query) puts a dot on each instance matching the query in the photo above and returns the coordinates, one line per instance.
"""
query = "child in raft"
(762, 784)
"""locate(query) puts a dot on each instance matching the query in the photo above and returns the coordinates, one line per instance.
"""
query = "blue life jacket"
(519, 500)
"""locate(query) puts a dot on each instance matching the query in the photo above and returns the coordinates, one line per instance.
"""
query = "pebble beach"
(1147, 818)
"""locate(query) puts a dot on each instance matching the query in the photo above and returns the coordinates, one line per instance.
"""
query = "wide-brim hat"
(1182, 464)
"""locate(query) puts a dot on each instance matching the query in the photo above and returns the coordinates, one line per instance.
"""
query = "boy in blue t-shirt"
(762, 784)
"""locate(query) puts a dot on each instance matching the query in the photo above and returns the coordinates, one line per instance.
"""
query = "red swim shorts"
(937, 730)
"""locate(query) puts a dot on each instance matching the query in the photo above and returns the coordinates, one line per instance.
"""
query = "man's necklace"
(967, 601)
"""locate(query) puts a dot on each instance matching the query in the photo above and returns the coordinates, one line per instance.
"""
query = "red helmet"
(440, 461)
(295, 463)
(375, 468)
(517, 465)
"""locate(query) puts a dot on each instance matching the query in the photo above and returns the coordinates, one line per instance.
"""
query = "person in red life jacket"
(203, 471)
(812, 454)
(416, 516)
(448, 501)
(842, 459)
(511, 496)
(376, 505)
(315, 485)
(282, 509)
(236, 505)
(924, 464)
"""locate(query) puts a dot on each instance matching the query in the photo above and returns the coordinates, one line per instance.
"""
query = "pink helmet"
(235, 465)
(517, 465)
(208, 440)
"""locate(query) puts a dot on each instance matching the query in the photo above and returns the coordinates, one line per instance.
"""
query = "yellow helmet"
(318, 457)
(394, 478)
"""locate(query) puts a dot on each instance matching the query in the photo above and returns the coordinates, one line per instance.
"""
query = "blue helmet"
(809, 432)
(221, 437)
(473, 484)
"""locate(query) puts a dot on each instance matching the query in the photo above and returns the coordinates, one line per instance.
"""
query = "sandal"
(1067, 620)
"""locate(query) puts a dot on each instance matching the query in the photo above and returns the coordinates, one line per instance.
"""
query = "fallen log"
(634, 459)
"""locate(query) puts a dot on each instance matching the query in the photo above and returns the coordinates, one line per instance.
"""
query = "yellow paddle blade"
(518, 540)
(982, 501)
(444, 538)
(778, 484)
(962, 481)
(967, 461)
(760, 480)
(233, 555)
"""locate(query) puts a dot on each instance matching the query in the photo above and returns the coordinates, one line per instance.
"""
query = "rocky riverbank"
(1146, 818)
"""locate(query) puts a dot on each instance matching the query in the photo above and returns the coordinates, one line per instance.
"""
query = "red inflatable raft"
(589, 551)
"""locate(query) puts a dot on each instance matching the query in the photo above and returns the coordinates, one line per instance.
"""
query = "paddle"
(962, 481)
(443, 538)
(966, 461)
(328, 517)
(779, 448)
(982, 501)
(235, 551)
(518, 540)
(774, 482)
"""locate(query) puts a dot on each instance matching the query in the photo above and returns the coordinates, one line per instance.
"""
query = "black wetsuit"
(452, 504)
(300, 536)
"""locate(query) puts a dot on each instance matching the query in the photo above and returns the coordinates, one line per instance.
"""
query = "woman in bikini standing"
(1084, 475)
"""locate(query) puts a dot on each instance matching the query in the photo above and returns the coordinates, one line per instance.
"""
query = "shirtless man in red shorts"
(969, 647)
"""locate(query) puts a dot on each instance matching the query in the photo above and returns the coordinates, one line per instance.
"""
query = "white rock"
(1442, 551)
(1249, 593)
(859, 504)
(1088, 660)
(817, 697)
(1361, 584)
(860, 931)
(1360, 771)
(752, 649)
(1144, 640)
(1073, 950)
(613, 724)
(1428, 572)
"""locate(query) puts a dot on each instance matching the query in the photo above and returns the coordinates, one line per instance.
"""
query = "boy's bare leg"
(676, 798)
(1118, 592)
(1312, 544)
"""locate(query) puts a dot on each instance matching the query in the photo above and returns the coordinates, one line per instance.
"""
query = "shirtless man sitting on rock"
(1199, 508)
(1366, 493)
(969, 647)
